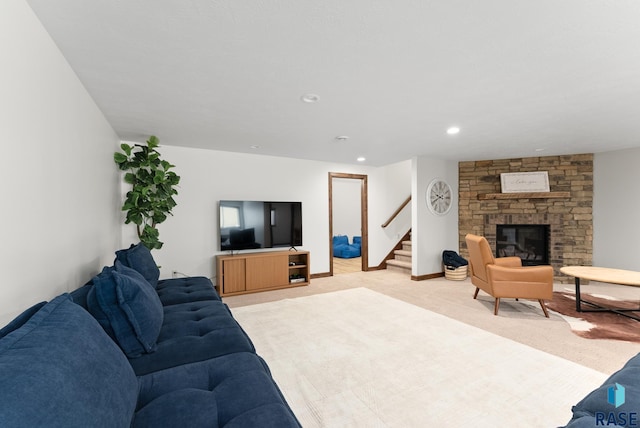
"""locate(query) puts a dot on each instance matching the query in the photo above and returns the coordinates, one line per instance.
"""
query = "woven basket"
(457, 274)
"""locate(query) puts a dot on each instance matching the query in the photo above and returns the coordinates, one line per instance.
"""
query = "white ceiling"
(519, 77)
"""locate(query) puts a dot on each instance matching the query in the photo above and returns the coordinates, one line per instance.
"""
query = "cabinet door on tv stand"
(268, 271)
(234, 275)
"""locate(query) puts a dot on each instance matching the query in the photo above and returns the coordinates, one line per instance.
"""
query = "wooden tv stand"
(254, 272)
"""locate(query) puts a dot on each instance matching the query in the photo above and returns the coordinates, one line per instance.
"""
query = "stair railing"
(395, 214)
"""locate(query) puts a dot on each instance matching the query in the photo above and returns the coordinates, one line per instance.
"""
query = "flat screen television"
(247, 225)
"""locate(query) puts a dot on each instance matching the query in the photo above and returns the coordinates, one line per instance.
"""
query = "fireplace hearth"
(530, 242)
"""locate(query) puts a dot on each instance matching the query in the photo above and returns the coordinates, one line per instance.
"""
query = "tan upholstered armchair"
(505, 276)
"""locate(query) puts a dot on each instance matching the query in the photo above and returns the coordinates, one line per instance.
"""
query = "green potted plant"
(150, 199)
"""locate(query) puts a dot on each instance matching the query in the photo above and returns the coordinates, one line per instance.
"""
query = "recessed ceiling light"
(539, 150)
(453, 130)
(341, 138)
(361, 159)
(310, 98)
(254, 146)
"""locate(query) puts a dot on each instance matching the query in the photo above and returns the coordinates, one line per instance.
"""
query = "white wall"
(346, 207)
(59, 222)
(389, 187)
(431, 234)
(191, 236)
(616, 204)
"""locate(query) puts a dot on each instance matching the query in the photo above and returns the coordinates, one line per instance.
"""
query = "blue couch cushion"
(346, 251)
(21, 319)
(139, 257)
(239, 387)
(193, 332)
(184, 290)
(340, 240)
(59, 369)
(596, 410)
(128, 308)
(188, 407)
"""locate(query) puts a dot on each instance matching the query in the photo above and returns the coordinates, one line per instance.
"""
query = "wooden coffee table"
(607, 275)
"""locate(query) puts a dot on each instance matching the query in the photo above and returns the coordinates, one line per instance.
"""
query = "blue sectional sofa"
(616, 403)
(127, 349)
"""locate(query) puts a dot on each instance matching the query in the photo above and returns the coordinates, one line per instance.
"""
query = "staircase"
(402, 259)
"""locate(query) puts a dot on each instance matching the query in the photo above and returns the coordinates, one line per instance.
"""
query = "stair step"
(402, 256)
(399, 270)
(402, 267)
(399, 266)
(397, 263)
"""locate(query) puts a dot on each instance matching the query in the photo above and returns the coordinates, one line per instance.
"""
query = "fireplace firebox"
(530, 242)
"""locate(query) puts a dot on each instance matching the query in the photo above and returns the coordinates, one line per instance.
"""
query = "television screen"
(246, 225)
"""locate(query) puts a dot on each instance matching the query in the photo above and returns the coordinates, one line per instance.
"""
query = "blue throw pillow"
(79, 295)
(128, 309)
(125, 270)
(21, 319)
(59, 369)
(139, 257)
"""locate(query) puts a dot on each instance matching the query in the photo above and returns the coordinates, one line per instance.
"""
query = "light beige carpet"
(358, 358)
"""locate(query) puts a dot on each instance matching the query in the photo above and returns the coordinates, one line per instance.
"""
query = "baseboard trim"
(320, 275)
(427, 276)
(413, 277)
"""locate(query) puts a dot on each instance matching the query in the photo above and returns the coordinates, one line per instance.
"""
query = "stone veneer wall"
(570, 219)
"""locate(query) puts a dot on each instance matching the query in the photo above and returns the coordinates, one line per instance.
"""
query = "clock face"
(439, 197)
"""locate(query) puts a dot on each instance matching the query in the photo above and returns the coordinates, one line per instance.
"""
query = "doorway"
(334, 178)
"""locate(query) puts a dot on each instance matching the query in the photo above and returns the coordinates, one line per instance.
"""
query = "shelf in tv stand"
(261, 271)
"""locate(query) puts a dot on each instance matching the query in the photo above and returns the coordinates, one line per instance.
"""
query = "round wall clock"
(439, 197)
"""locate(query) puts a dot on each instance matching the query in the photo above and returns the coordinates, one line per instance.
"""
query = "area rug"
(597, 325)
(358, 358)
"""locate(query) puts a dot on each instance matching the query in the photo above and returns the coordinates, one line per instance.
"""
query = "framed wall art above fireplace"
(522, 182)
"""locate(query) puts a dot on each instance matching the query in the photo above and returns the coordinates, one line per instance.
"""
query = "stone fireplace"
(566, 211)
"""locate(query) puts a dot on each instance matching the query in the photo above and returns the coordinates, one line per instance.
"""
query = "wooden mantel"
(523, 195)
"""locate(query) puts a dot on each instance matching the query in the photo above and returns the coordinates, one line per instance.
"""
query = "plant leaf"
(153, 142)
(126, 148)
(119, 158)
(130, 178)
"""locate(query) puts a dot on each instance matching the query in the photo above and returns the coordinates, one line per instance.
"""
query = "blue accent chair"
(344, 250)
